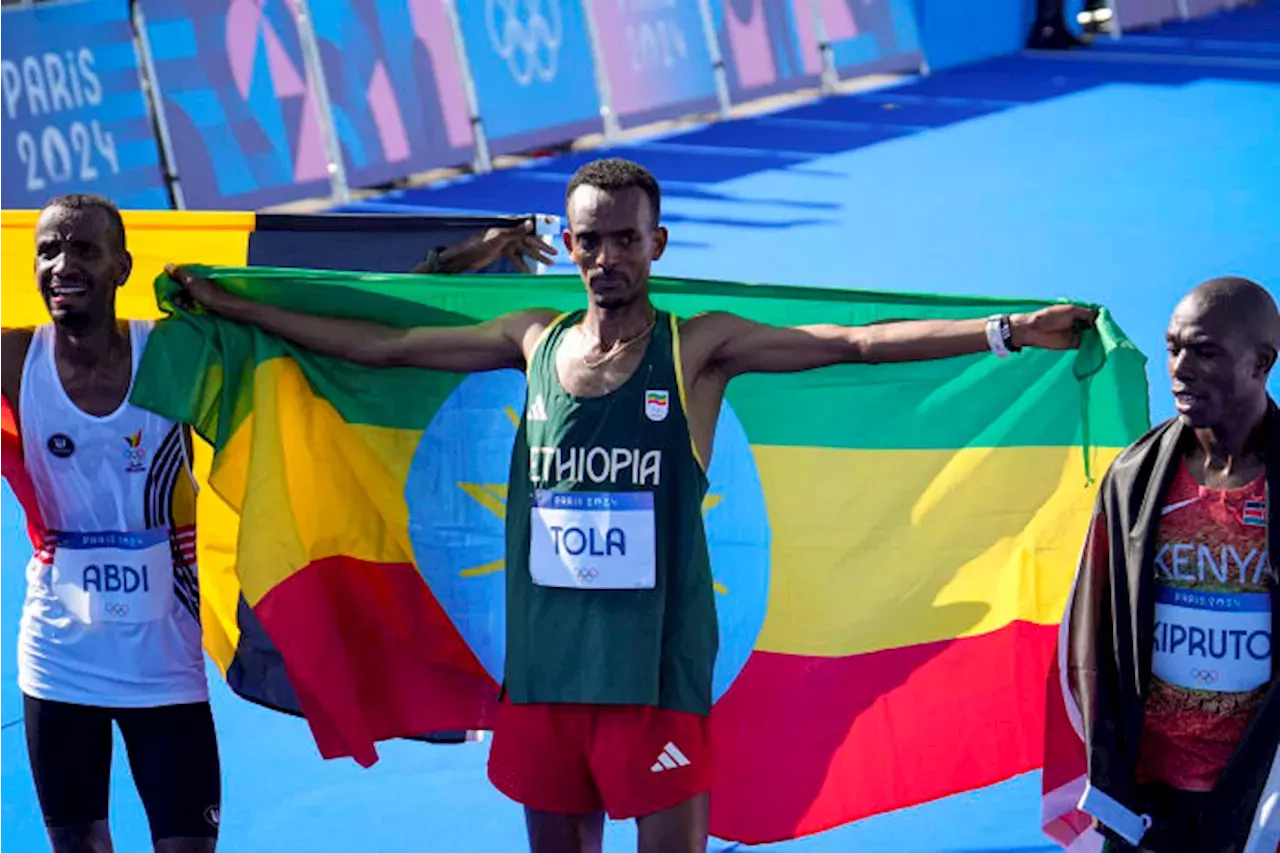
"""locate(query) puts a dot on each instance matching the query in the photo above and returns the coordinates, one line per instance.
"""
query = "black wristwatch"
(430, 264)
(1006, 332)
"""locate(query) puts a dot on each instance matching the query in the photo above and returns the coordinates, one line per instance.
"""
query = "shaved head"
(1222, 341)
(1248, 306)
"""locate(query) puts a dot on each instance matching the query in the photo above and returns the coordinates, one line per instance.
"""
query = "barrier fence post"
(1115, 28)
(315, 73)
(830, 77)
(547, 228)
(717, 58)
(481, 162)
(603, 89)
(154, 99)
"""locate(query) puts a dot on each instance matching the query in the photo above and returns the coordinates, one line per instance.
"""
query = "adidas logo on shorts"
(669, 759)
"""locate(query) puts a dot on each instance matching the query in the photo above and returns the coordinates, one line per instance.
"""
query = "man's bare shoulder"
(703, 334)
(530, 319)
(14, 344)
(713, 325)
(527, 326)
(543, 316)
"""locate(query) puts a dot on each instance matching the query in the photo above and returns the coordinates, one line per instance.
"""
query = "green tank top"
(609, 588)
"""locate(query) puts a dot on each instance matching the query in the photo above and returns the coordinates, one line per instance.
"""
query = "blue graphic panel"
(533, 72)
(242, 112)
(457, 496)
(872, 36)
(656, 58)
(75, 119)
(395, 88)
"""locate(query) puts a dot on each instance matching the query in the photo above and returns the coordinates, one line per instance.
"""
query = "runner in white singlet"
(111, 626)
(110, 619)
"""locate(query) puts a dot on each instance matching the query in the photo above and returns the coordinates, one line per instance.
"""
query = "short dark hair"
(89, 201)
(614, 173)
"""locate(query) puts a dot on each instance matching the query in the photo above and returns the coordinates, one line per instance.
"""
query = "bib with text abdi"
(113, 576)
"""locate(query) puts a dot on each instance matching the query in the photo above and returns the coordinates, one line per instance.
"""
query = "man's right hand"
(518, 243)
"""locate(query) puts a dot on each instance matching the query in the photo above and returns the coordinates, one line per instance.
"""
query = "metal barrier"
(243, 104)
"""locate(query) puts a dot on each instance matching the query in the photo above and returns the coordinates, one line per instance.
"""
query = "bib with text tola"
(592, 540)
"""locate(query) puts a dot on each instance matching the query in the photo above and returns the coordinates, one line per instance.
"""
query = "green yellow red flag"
(892, 545)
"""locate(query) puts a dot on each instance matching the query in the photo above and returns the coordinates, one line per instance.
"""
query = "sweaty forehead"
(1196, 319)
(608, 210)
(86, 223)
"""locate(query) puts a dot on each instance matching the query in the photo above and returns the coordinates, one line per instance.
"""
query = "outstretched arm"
(733, 345)
(498, 343)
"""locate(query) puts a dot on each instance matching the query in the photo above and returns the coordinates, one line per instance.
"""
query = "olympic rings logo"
(117, 609)
(586, 575)
(525, 37)
(1205, 676)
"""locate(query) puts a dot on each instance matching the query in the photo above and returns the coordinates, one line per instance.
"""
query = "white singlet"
(112, 611)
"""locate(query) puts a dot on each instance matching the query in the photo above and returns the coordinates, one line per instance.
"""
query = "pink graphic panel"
(395, 89)
(431, 25)
(749, 41)
(655, 56)
(386, 115)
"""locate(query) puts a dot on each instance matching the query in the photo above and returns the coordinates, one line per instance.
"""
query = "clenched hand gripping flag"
(892, 545)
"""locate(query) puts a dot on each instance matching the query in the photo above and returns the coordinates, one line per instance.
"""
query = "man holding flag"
(611, 623)
(110, 629)
(1168, 641)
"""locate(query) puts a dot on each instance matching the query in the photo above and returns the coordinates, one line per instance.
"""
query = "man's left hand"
(517, 243)
(1056, 327)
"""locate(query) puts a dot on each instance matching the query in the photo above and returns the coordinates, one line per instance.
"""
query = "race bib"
(592, 540)
(114, 577)
(1214, 641)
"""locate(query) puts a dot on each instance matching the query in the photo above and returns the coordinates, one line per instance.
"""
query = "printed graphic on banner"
(772, 45)
(656, 57)
(533, 72)
(868, 36)
(241, 112)
(1132, 14)
(395, 88)
(763, 51)
(1200, 8)
(75, 119)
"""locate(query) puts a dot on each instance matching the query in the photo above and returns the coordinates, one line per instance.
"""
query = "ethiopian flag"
(892, 545)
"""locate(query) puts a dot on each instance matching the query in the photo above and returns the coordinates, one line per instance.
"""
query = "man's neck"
(1237, 442)
(90, 346)
(612, 325)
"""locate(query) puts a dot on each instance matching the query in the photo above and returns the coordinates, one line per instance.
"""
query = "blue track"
(1124, 173)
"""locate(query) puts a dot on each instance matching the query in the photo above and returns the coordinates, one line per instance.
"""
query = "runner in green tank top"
(651, 639)
(611, 622)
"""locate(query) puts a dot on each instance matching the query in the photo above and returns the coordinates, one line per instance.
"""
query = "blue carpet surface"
(1123, 174)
